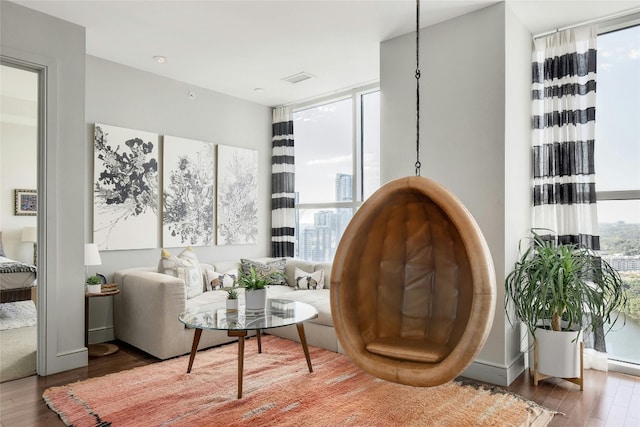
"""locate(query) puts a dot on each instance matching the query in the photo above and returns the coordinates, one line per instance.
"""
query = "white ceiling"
(237, 46)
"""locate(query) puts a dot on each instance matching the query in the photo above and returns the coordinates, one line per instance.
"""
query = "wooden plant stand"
(538, 376)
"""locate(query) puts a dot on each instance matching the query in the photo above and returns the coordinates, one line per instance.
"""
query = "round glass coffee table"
(237, 323)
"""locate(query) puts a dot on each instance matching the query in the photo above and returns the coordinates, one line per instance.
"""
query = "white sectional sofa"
(146, 309)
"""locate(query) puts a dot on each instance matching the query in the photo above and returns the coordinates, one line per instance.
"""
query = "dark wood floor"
(608, 399)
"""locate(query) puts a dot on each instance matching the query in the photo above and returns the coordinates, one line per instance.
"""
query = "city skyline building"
(319, 241)
(344, 187)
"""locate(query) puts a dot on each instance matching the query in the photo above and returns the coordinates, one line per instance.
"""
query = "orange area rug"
(279, 390)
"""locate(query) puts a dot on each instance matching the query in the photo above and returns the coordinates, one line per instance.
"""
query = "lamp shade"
(91, 254)
(29, 234)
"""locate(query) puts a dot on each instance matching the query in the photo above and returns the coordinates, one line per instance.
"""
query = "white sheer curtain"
(563, 138)
(564, 99)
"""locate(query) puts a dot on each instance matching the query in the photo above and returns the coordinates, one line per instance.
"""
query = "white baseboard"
(495, 374)
(624, 368)
(102, 334)
(61, 362)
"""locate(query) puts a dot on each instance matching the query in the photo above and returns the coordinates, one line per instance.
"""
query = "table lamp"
(91, 256)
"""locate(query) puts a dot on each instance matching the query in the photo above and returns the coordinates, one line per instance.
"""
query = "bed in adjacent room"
(17, 280)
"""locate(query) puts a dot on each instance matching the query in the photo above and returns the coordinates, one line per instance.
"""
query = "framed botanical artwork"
(26, 202)
(237, 181)
(188, 192)
(125, 188)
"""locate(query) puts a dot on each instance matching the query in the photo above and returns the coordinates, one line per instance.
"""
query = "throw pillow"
(185, 266)
(306, 280)
(1, 250)
(216, 280)
(275, 269)
(208, 274)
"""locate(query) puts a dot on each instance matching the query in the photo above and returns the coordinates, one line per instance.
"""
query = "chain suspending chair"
(413, 285)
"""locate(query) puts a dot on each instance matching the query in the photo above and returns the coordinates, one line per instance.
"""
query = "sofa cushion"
(309, 266)
(275, 268)
(326, 267)
(292, 265)
(208, 298)
(184, 266)
(306, 280)
(319, 299)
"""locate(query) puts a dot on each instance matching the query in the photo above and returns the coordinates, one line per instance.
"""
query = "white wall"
(59, 46)
(18, 170)
(122, 96)
(464, 131)
(518, 161)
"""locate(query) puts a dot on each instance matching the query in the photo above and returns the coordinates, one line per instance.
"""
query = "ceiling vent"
(299, 77)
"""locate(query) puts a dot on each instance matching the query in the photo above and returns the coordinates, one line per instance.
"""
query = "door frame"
(43, 73)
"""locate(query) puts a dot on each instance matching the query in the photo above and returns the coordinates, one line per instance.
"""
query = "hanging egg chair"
(413, 286)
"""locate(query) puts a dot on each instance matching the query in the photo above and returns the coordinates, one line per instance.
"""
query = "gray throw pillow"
(275, 269)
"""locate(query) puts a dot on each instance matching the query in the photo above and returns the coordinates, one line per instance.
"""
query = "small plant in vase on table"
(232, 299)
(94, 284)
(255, 286)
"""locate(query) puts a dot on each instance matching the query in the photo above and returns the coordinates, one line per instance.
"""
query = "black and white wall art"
(125, 188)
(188, 192)
(237, 213)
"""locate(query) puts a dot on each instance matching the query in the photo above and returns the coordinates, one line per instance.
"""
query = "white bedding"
(16, 280)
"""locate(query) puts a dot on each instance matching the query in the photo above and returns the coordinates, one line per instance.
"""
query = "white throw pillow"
(184, 266)
(306, 280)
(216, 280)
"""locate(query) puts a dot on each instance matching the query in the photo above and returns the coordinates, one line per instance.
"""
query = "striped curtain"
(282, 184)
(564, 99)
(564, 117)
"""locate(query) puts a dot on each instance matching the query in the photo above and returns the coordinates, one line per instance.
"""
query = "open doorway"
(19, 98)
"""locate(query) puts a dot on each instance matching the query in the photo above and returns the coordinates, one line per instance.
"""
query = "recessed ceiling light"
(160, 59)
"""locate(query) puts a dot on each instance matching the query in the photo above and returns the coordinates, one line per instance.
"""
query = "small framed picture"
(26, 202)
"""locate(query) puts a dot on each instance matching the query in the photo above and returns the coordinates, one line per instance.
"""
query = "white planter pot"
(256, 299)
(94, 289)
(232, 304)
(558, 353)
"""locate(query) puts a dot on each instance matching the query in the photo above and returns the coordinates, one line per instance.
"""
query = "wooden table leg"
(194, 348)
(241, 336)
(259, 335)
(303, 341)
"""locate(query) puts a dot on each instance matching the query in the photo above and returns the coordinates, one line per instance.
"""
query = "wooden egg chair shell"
(413, 285)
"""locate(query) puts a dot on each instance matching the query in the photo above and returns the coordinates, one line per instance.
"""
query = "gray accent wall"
(57, 48)
(474, 139)
(127, 97)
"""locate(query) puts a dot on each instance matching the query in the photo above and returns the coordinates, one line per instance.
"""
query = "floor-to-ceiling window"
(337, 150)
(617, 163)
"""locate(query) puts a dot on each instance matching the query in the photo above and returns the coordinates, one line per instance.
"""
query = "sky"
(617, 156)
(324, 138)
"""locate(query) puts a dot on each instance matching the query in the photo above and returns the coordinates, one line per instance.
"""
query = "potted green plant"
(557, 290)
(255, 286)
(232, 299)
(94, 284)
